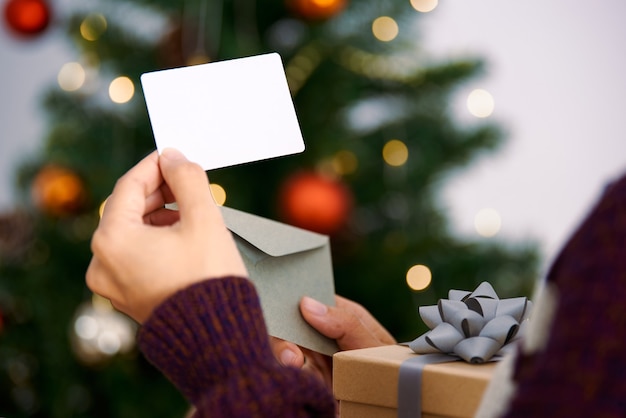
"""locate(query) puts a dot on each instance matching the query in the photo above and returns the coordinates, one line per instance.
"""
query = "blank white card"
(224, 113)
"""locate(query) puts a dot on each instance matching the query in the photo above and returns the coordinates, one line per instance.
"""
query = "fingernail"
(288, 358)
(172, 154)
(313, 306)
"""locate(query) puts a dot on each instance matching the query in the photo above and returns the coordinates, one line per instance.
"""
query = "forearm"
(210, 340)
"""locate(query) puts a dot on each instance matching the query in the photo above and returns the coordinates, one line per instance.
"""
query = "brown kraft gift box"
(365, 383)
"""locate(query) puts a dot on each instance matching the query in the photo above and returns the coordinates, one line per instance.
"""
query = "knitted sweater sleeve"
(580, 372)
(211, 341)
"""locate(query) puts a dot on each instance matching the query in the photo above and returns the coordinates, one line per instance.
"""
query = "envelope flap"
(274, 238)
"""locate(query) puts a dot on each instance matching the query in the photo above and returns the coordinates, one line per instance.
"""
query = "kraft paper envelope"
(285, 263)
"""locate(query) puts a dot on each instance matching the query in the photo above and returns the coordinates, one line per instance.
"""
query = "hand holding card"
(234, 112)
(224, 113)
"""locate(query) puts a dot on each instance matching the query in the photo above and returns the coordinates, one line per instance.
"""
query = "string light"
(418, 277)
(93, 26)
(101, 332)
(100, 303)
(385, 29)
(344, 163)
(326, 168)
(301, 66)
(480, 103)
(424, 6)
(219, 194)
(86, 327)
(101, 208)
(389, 67)
(395, 153)
(198, 58)
(71, 76)
(487, 222)
(121, 90)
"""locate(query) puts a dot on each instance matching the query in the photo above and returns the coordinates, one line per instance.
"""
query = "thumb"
(188, 183)
(339, 324)
(287, 353)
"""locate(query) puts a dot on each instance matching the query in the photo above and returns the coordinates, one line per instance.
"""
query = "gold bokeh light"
(480, 103)
(121, 90)
(101, 208)
(198, 58)
(101, 303)
(385, 28)
(395, 153)
(418, 277)
(345, 162)
(487, 222)
(424, 6)
(71, 76)
(93, 26)
(219, 194)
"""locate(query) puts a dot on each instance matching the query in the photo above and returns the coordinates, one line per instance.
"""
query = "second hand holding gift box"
(425, 378)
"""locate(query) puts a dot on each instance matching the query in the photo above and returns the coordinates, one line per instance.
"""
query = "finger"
(162, 217)
(131, 190)
(153, 204)
(189, 184)
(320, 365)
(287, 353)
(156, 211)
(156, 200)
(167, 194)
(340, 324)
(367, 318)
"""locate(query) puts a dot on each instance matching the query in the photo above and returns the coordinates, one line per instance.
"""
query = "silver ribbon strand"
(474, 326)
(410, 383)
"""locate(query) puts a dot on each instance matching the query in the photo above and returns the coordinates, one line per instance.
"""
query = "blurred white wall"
(27, 68)
(557, 72)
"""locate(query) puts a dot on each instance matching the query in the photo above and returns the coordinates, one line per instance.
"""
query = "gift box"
(365, 382)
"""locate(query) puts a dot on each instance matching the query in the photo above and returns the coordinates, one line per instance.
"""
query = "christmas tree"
(380, 136)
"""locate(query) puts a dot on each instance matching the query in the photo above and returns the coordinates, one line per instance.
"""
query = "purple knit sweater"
(581, 372)
(210, 340)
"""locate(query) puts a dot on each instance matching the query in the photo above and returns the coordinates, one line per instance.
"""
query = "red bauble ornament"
(314, 202)
(27, 17)
(317, 9)
(58, 191)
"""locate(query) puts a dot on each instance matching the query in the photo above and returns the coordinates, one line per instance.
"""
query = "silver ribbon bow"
(472, 325)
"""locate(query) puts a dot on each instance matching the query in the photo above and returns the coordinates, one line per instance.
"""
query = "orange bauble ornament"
(314, 202)
(27, 17)
(317, 9)
(58, 191)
